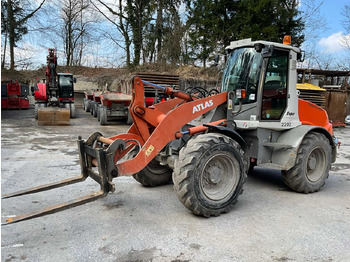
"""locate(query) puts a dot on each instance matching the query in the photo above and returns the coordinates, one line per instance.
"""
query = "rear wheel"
(92, 103)
(87, 105)
(84, 103)
(209, 174)
(154, 174)
(312, 165)
(103, 115)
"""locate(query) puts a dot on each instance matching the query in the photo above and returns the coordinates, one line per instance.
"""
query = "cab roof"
(248, 42)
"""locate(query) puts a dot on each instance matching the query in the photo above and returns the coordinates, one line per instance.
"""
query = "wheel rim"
(220, 177)
(316, 164)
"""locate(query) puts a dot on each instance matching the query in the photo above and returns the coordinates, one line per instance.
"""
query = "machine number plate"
(286, 124)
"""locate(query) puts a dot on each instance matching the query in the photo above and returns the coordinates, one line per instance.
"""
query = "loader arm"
(158, 125)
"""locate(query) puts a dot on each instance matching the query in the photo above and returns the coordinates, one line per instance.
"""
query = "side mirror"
(301, 56)
(216, 60)
(74, 80)
(259, 47)
(268, 51)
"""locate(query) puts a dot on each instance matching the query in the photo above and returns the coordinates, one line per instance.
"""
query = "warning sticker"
(149, 150)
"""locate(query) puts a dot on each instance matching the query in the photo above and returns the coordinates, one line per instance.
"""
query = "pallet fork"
(101, 158)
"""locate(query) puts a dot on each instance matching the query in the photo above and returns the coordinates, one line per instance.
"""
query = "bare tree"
(17, 17)
(315, 23)
(117, 16)
(345, 39)
(75, 27)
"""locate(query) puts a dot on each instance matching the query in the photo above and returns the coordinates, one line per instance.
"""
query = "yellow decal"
(229, 104)
(149, 150)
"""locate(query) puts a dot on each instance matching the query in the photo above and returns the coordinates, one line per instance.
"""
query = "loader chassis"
(209, 140)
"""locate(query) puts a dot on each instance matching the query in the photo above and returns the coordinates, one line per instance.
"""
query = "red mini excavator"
(54, 99)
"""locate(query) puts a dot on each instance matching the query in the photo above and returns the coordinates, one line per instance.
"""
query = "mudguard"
(228, 132)
(284, 158)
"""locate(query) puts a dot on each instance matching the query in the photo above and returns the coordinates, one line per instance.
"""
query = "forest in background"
(133, 33)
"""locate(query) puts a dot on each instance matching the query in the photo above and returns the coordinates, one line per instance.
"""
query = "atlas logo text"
(202, 106)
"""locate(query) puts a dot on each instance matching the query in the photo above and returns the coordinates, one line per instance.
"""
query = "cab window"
(242, 72)
(274, 97)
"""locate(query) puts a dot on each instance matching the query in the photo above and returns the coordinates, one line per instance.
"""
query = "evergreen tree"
(213, 24)
(163, 35)
(202, 27)
(269, 20)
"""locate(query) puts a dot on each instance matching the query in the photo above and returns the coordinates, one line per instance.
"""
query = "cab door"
(275, 87)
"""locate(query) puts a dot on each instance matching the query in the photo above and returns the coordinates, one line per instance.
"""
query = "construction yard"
(269, 223)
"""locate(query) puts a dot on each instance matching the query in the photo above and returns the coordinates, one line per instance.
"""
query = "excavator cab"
(65, 85)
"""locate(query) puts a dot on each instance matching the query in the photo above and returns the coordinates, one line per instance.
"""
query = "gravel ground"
(269, 222)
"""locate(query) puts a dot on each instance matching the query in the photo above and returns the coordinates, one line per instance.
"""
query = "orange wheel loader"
(206, 142)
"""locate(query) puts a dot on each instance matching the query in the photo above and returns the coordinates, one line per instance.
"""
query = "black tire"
(98, 112)
(312, 165)
(92, 103)
(103, 115)
(36, 109)
(87, 105)
(72, 110)
(95, 106)
(209, 174)
(84, 102)
(129, 119)
(154, 174)
(251, 168)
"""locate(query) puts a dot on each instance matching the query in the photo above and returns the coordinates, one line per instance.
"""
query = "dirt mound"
(106, 76)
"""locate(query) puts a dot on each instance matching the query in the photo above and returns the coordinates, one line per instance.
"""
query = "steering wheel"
(214, 92)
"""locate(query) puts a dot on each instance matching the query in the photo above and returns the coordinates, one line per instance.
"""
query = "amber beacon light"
(287, 40)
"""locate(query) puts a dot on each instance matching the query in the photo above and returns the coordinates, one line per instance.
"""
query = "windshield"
(242, 71)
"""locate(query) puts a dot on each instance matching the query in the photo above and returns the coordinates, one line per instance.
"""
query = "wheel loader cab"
(270, 118)
(267, 73)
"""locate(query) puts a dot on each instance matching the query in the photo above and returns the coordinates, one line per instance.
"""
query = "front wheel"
(36, 109)
(209, 174)
(72, 110)
(312, 165)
